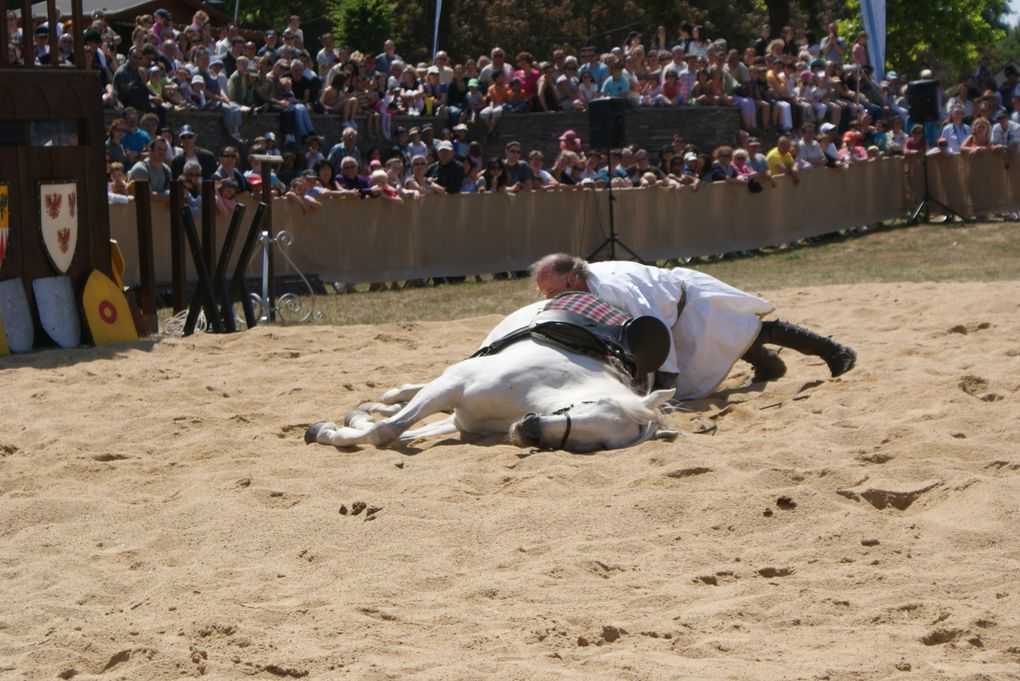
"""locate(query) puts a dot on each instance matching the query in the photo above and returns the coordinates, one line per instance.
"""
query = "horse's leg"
(392, 401)
(401, 394)
(444, 427)
(357, 424)
(439, 395)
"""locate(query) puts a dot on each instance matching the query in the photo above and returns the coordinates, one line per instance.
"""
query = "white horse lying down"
(542, 394)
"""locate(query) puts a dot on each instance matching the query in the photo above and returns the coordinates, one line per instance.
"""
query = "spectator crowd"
(818, 96)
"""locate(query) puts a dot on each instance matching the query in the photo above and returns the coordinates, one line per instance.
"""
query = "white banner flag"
(435, 32)
(873, 15)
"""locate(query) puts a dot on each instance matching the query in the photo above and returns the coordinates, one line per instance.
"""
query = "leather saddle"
(640, 344)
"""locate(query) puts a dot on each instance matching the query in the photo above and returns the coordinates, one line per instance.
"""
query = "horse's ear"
(658, 398)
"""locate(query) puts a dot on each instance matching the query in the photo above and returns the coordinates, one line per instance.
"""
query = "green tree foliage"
(927, 34)
(1005, 51)
(363, 24)
(264, 14)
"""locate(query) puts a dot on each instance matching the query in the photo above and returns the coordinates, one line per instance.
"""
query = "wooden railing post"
(178, 269)
(146, 259)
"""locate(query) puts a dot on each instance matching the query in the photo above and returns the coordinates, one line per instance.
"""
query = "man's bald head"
(559, 272)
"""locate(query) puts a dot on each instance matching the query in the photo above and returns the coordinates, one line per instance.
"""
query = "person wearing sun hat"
(1005, 133)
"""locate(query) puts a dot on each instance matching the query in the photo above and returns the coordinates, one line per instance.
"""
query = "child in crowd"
(475, 101)
(313, 152)
(381, 188)
(298, 195)
(226, 196)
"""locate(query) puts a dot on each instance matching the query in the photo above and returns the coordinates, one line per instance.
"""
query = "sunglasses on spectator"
(349, 167)
(514, 150)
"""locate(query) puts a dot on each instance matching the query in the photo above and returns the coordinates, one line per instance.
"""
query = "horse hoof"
(312, 434)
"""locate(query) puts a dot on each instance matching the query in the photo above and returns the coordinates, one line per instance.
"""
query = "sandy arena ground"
(161, 516)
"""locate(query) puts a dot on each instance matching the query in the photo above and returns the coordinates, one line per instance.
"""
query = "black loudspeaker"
(605, 122)
(923, 98)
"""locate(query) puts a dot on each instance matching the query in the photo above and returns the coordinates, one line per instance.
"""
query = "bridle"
(643, 430)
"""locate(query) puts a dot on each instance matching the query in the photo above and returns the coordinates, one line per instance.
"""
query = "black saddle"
(641, 344)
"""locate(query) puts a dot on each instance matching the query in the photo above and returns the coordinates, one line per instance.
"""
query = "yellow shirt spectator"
(779, 162)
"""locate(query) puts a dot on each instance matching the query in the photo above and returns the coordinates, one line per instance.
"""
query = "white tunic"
(717, 326)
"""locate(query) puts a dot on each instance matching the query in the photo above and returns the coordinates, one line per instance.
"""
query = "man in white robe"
(712, 324)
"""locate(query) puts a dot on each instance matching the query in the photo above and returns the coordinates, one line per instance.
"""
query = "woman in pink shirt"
(529, 76)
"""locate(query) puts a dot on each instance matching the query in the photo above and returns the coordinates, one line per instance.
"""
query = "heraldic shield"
(58, 221)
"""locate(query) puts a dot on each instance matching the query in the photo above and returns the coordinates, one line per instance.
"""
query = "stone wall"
(649, 128)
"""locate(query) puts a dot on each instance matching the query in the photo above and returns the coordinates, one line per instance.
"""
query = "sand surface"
(161, 516)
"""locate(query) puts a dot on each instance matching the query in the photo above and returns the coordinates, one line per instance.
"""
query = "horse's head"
(608, 423)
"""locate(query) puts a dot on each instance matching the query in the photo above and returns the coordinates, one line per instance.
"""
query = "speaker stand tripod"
(927, 200)
(613, 240)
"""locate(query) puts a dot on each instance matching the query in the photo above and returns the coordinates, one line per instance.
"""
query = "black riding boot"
(840, 358)
(767, 364)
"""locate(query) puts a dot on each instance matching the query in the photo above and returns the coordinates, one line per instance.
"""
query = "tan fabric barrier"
(354, 240)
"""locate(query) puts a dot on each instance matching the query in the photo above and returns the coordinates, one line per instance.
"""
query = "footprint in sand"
(975, 386)
(969, 328)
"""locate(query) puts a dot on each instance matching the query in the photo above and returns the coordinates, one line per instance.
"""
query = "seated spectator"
(446, 171)
(669, 93)
(546, 95)
(721, 169)
(1005, 133)
(742, 169)
(114, 137)
(517, 102)
(226, 196)
(853, 149)
(350, 182)
(955, 130)
(474, 102)
(809, 151)
(117, 182)
(497, 99)
(324, 181)
(347, 146)
(617, 85)
(587, 90)
(642, 167)
(567, 84)
(191, 187)
(916, 144)
(880, 136)
(418, 180)
(980, 138)
(192, 152)
(494, 179)
(756, 159)
(298, 196)
(781, 160)
(435, 93)
(897, 137)
(683, 171)
(380, 181)
(542, 179)
(228, 170)
(135, 140)
(564, 169)
(517, 171)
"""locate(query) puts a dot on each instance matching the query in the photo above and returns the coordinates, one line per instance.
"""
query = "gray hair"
(561, 264)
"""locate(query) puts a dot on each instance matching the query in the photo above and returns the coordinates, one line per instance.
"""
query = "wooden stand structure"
(51, 127)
